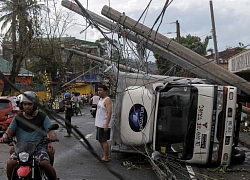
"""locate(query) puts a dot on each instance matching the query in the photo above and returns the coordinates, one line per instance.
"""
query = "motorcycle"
(73, 108)
(93, 110)
(28, 168)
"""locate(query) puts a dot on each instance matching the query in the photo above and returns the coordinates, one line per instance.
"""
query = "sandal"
(105, 160)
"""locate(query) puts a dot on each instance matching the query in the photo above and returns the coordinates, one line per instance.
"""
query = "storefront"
(240, 65)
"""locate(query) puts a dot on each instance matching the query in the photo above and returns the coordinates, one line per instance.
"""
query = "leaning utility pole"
(165, 47)
(177, 49)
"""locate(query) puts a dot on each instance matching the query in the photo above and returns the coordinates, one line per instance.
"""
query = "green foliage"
(163, 64)
(194, 43)
(22, 18)
(38, 78)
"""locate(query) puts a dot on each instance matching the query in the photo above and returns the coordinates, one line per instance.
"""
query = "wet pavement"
(245, 139)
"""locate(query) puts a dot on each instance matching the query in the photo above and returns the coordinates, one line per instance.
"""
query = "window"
(4, 104)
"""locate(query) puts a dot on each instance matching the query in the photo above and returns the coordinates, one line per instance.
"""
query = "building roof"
(6, 66)
(83, 42)
(226, 54)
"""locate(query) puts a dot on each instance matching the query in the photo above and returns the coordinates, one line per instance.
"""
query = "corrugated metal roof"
(5, 67)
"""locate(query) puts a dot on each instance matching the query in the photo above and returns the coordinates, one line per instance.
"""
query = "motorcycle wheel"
(94, 114)
(238, 156)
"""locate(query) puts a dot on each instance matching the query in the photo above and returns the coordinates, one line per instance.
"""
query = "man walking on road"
(68, 113)
(102, 120)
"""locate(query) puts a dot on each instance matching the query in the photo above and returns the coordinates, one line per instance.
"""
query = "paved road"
(74, 161)
(235, 172)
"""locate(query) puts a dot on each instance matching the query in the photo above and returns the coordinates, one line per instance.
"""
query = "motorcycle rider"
(29, 126)
(95, 99)
(76, 100)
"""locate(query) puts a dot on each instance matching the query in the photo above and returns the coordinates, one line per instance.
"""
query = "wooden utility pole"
(178, 34)
(216, 55)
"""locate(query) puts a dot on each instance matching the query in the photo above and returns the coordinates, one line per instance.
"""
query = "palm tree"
(6, 6)
(20, 32)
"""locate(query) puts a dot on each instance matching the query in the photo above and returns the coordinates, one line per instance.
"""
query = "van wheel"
(238, 156)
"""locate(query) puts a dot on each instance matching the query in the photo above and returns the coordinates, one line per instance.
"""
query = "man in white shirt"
(95, 99)
(102, 121)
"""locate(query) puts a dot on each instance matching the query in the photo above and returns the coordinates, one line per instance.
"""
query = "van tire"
(238, 156)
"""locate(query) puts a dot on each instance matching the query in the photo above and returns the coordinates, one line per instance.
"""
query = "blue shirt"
(33, 136)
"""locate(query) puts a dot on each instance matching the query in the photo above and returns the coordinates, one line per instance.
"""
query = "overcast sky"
(232, 18)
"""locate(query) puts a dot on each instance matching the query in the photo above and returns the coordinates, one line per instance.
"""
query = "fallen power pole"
(102, 60)
(195, 59)
(148, 44)
(202, 67)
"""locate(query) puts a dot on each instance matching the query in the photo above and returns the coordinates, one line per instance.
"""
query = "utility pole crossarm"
(177, 49)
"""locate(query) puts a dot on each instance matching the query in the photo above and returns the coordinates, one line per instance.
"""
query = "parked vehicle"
(28, 168)
(8, 109)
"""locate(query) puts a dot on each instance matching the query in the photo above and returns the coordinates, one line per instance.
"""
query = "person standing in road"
(68, 113)
(102, 120)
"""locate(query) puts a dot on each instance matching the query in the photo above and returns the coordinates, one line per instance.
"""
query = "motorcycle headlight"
(23, 156)
(215, 152)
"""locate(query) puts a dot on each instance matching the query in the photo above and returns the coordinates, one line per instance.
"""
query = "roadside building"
(239, 64)
(225, 55)
(23, 80)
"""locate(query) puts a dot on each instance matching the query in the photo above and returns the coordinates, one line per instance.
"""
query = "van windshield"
(176, 118)
(4, 104)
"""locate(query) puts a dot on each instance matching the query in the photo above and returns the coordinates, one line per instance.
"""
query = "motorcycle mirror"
(53, 127)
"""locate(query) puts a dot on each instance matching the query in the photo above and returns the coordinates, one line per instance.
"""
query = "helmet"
(29, 96)
(67, 95)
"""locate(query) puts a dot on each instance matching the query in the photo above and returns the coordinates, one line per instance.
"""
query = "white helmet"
(29, 96)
